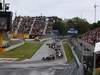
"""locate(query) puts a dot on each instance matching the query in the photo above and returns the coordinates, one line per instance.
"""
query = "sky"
(64, 9)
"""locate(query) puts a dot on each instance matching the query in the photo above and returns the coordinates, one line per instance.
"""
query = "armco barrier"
(80, 69)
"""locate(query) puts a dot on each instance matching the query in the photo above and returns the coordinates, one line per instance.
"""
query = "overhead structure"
(95, 12)
(5, 21)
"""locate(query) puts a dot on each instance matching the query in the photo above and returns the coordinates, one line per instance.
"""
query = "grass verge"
(24, 52)
(68, 52)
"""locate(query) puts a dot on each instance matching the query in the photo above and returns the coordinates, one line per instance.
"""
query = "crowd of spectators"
(51, 21)
(34, 26)
(15, 23)
(25, 25)
(92, 36)
(38, 26)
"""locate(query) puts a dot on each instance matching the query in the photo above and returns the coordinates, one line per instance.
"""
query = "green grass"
(68, 52)
(24, 52)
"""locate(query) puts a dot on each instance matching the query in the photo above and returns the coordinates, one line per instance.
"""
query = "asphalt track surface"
(35, 66)
(32, 71)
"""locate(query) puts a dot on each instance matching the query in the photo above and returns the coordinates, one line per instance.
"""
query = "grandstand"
(87, 45)
(31, 27)
(92, 36)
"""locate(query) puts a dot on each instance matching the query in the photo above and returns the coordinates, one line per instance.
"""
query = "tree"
(95, 25)
(60, 26)
(81, 24)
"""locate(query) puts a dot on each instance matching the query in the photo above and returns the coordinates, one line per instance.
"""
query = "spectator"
(92, 36)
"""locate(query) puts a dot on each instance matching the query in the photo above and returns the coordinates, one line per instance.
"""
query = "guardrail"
(78, 65)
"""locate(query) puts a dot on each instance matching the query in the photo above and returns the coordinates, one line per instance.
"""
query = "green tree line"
(82, 25)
